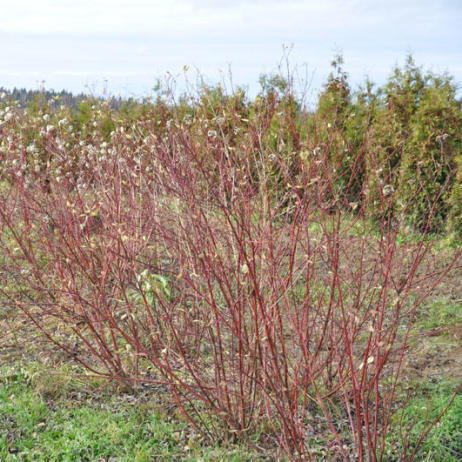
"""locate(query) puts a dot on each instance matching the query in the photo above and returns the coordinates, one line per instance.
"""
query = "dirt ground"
(437, 353)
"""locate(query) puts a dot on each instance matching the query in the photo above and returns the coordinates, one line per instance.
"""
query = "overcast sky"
(72, 44)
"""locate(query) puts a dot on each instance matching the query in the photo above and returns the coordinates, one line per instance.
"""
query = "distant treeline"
(25, 97)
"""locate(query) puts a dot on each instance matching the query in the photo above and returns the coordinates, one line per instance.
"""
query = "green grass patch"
(438, 314)
(39, 423)
(444, 442)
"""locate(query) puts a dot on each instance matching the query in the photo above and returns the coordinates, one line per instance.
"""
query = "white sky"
(73, 43)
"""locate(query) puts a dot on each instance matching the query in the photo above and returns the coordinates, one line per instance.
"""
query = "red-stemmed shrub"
(237, 274)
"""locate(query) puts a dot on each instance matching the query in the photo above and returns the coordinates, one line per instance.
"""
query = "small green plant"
(153, 285)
